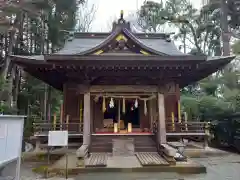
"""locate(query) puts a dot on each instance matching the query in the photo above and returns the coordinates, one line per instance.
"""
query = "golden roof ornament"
(121, 20)
(121, 14)
(121, 23)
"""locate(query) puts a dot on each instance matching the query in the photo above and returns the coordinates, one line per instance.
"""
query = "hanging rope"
(123, 106)
(145, 107)
(104, 105)
(124, 97)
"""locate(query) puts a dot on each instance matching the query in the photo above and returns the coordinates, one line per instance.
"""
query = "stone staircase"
(104, 143)
(145, 144)
(101, 143)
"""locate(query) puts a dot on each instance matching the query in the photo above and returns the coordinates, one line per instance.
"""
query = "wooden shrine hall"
(122, 83)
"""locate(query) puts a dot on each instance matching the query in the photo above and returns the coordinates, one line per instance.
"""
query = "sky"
(107, 10)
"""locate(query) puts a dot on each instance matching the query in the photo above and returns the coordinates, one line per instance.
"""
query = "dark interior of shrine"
(131, 114)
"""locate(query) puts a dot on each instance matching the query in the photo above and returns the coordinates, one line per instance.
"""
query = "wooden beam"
(120, 94)
(164, 59)
(122, 88)
(128, 73)
(125, 81)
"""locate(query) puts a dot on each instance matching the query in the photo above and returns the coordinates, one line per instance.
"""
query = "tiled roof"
(79, 45)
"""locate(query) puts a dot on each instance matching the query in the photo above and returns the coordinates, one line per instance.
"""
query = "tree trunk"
(19, 23)
(45, 102)
(11, 40)
(224, 27)
(16, 84)
(49, 103)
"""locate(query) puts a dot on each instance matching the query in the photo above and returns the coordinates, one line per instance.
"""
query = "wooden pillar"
(98, 116)
(161, 120)
(150, 107)
(64, 105)
(91, 112)
(71, 107)
(80, 111)
(154, 107)
(87, 119)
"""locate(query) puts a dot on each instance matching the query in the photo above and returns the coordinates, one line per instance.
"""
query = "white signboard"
(58, 138)
(11, 133)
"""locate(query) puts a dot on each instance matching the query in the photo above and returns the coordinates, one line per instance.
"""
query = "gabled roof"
(98, 43)
(83, 43)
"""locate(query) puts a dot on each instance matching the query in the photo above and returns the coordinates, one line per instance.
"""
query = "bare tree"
(85, 16)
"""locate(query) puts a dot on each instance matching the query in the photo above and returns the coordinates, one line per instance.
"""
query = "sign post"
(11, 137)
(59, 138)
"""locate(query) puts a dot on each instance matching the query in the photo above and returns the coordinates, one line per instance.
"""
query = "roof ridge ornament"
(121, 23)
(121, 14)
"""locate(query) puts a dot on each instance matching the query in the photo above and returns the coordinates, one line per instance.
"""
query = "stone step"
(139, 144)
(100, 149)
(145, 149)
(101, 143)
(136, 145)
(123, 147)
(144, 144)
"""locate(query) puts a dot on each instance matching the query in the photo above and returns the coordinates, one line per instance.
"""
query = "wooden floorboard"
(97, 160)
(151, 159)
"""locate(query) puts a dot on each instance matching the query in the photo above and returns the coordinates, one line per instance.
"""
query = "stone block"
(82, 152)
(123, 147)
(168, 150)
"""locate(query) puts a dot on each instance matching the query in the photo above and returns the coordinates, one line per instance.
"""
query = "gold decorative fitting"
(121, 13)
(144, 52)
(179, 112)
(121, 37)
(98, 52)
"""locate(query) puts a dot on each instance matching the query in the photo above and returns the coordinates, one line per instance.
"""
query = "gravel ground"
(219, 168)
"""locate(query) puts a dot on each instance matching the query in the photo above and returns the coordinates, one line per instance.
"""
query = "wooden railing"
(186, 127)
(43, 127)
(183, 128)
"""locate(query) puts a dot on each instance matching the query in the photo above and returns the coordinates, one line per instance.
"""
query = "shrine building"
(122, 83)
